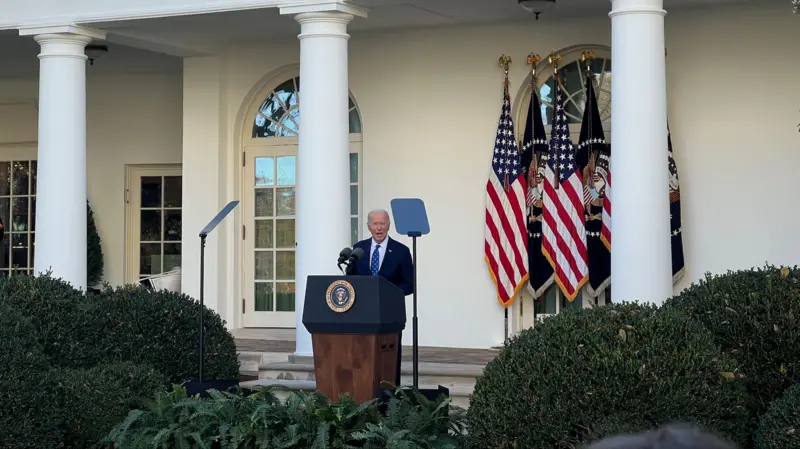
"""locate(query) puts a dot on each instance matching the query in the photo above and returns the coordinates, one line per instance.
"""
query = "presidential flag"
(506, 242)
(593, 157)
(534, 159)
(563, 225)
(675, 215)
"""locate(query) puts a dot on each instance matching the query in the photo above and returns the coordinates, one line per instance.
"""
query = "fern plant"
(303, 421)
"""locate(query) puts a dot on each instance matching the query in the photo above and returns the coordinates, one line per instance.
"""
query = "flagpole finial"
(554, 59)
(505, 63)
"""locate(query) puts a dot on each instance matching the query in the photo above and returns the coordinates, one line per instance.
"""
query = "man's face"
(378, 225)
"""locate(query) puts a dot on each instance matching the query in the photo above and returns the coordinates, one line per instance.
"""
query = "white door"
(269, 180)
(269, 235)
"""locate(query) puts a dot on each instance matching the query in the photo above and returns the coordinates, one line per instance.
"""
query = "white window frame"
(133, 176)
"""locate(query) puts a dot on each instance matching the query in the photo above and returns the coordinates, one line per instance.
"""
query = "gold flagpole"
(505, 63)
(532, 60)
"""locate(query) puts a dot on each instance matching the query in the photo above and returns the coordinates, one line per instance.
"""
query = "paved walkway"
(426, 354)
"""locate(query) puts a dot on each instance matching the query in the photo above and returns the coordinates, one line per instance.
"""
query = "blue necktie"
(375, 262)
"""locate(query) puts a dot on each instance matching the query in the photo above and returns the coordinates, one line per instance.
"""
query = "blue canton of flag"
(506, 162)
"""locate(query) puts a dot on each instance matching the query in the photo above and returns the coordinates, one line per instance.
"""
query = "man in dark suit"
(387, 258)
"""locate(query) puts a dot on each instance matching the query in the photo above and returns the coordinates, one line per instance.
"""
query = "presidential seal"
(340, 296)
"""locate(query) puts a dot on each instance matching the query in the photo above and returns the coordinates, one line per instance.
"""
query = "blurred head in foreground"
(676, 436)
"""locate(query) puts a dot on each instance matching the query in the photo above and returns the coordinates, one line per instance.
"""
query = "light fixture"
(94, 51)
(536, 6)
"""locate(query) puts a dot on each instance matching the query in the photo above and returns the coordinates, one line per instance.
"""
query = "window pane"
(5, 254)
(353, 167)
(263, 297)
(172, 225)
(355, 122)
(284, 234)
(286, 202)
(263, 234)
(285, 297)
(151, 191)
(149, 258)
(5, 178)
(353, 230)
(20, 178)
(264, 202)
(150, 226)
(5, 211)
(173, 189)
(264, 265)
(33, 213)
(264, 172)
(571, 78)
(286, 170)
(19, 211)
(576, 303)
(353, 200)
(34, 170)
(285, 265)
(19, 250)
(546, 304)
(172, 256)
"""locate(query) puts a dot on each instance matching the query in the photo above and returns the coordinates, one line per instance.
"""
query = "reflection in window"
(573, 79)
(279, 114)
(18, 212)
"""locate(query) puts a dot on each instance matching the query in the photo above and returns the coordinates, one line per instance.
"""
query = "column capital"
(323, 24)
(67, 31)
(325, 7)
(620, 7)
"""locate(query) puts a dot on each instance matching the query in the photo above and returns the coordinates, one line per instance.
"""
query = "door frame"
(133, 175)
(273, 146)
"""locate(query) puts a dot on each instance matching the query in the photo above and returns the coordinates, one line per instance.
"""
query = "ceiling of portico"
(203, 33)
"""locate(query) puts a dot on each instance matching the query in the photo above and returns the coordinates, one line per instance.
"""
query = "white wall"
(430, 99)
(131, 119)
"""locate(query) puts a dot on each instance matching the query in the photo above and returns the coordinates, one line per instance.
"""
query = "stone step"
(282, 388)
(446, 374)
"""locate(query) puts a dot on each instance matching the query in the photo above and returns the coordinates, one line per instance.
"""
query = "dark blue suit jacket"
(397, 266)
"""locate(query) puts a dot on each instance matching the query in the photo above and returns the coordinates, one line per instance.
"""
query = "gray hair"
(676, 436)
(379, 211)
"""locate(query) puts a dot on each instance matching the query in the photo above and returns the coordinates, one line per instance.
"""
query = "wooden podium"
(355, 322)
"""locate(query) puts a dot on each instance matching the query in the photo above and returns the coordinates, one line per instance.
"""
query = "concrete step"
(446, 374)
(282, 387)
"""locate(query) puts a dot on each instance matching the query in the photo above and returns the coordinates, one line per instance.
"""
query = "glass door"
(269, 236)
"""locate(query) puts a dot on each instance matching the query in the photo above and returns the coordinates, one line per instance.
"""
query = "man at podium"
(388, 259)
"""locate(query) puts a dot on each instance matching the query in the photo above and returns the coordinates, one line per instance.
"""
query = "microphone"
(356, 255)
(344, 254)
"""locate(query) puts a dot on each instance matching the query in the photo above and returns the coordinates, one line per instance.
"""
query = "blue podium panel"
(410, 217)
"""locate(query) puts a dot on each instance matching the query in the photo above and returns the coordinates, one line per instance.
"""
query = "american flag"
(605, 231)
(506, 242)
(563, 227)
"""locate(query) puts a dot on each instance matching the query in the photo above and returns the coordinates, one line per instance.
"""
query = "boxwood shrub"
(753, 316)
(158, 329)
(585, 374)
(28, 415)
(161, 329)
(780, 425)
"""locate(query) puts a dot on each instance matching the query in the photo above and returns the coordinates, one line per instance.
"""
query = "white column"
(323, 195)
(641, 267)
(61, 180)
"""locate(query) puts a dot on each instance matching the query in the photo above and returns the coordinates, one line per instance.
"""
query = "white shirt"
(381, 251)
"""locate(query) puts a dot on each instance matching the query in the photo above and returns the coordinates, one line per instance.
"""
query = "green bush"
(65, 322)
(161, 329)
(586, 374)
(780, 426)
(103, 395)
(303, 421)
(28, 415)
(94, 250)
(753, 316)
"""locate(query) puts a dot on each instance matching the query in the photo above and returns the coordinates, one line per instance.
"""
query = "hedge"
(753, 316)
(780, 426)
(585, 374)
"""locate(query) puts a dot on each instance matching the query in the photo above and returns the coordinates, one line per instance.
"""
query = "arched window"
(279, 114)
(572, 74)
